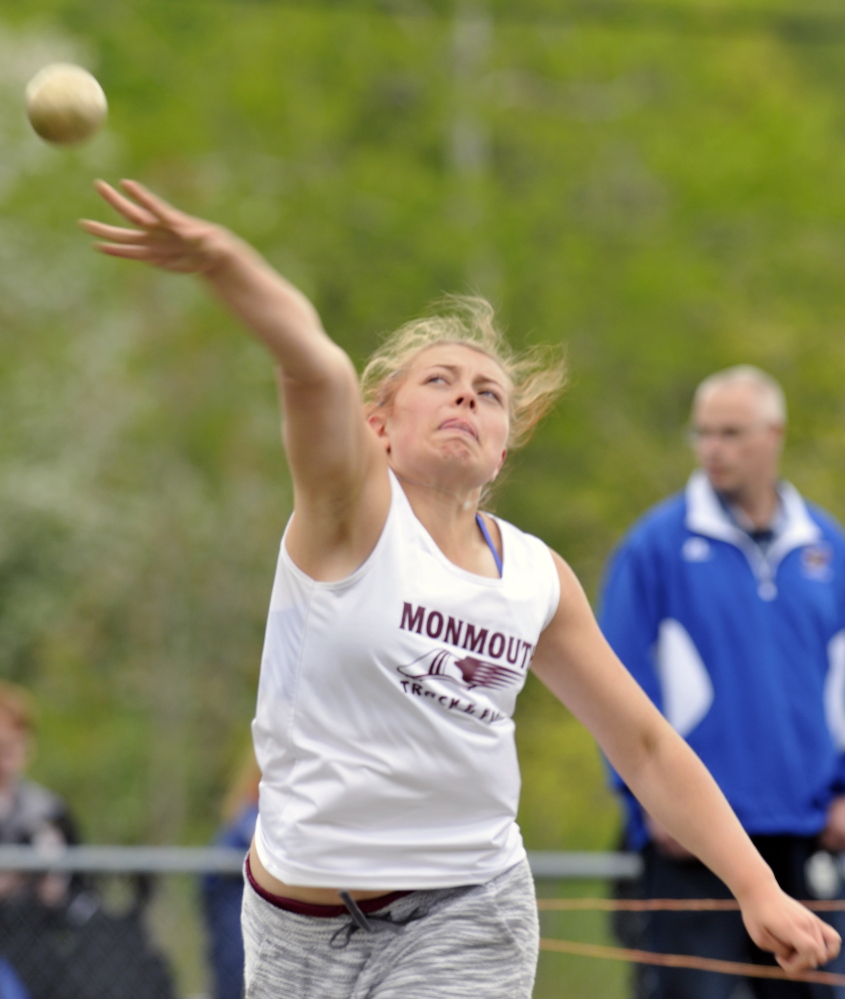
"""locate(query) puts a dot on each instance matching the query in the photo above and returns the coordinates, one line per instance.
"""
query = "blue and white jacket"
(743, 652)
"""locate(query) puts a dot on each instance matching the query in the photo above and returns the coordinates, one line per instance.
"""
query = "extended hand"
(163, 236)
(798, 939)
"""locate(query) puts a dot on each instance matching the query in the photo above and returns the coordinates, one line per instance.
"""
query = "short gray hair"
(772, 401)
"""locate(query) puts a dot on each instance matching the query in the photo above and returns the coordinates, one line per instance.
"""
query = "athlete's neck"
(465, 502)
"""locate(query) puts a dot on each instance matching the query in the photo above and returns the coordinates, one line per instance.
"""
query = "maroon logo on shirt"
(473, 638)
(466, 672)
(473, 665)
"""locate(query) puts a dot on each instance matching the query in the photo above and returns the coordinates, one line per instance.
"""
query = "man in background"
(727, 603)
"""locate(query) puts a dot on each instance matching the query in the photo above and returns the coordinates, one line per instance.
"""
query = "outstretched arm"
(275, 311)
(339, 472)
(576, 663)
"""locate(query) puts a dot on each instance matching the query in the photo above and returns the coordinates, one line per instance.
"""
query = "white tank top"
(384, 728)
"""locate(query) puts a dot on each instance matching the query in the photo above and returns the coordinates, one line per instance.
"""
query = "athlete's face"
(449, 415)
(736, 446)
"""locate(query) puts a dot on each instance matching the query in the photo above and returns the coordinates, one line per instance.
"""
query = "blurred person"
(29, 813)
(727, 604)
(222, 894)
(387, 860)
(57, 938)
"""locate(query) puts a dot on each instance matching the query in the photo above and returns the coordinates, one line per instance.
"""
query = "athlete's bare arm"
(579, 667)
(341, 488)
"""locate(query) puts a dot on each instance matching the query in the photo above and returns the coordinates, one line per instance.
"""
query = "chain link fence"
(128, 922)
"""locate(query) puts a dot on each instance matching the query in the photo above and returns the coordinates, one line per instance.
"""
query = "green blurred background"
(655, 183)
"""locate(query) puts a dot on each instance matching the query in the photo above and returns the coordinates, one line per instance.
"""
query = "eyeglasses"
(727, 435)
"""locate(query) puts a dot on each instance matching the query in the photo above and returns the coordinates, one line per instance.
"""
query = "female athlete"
(387, 861)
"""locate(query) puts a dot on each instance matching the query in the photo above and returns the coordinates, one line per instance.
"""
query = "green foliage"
(655, 185)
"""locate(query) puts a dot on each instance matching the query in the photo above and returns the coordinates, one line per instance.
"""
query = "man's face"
(735, 445)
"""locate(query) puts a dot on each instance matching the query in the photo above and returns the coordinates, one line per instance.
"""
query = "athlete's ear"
(377, 422)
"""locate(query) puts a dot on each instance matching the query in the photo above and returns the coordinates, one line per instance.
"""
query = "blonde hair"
(537, 374)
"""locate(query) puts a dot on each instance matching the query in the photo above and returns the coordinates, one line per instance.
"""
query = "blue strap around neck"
(480, 521)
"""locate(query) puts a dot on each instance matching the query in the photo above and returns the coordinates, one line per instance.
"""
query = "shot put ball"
(65, 104)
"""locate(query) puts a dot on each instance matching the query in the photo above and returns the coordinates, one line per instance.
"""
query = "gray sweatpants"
(477, 942)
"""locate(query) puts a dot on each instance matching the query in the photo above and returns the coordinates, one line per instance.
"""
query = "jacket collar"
(705, 515)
